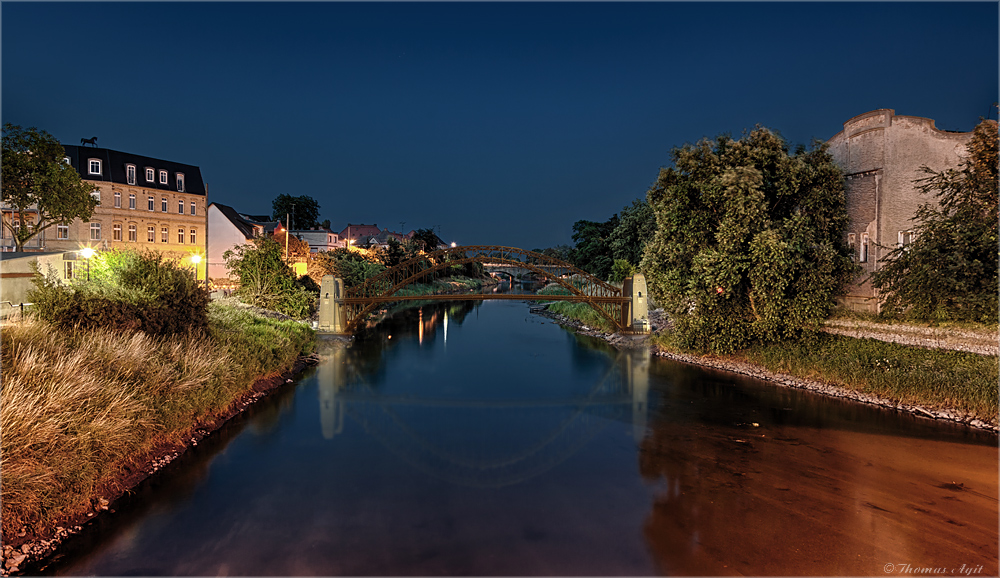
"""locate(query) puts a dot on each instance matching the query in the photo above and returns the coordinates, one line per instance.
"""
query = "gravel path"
(981, 342)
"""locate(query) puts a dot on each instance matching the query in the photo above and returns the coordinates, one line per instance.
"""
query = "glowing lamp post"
(87, 253)
(195, 259)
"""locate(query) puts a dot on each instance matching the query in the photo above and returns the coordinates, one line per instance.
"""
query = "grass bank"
(580, 311)
(932, 378)
(77, 407)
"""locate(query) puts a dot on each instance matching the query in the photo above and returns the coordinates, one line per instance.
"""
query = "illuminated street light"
(454, 244)
(195, 259)
(87, 253)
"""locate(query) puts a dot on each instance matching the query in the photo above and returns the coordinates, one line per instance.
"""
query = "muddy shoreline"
(28, 551)
(751, 370)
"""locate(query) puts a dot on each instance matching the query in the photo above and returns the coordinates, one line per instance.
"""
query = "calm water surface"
(478, 439)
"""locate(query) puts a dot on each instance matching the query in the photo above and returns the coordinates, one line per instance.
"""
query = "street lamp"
(87, 253)
(195, 259)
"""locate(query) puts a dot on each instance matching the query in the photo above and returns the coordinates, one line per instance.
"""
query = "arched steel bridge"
(343, 310)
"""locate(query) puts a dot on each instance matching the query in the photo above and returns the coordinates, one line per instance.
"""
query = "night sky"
(498, 123)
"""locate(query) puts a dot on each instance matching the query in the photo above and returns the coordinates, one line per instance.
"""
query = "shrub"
(266, 281)
(127, 290)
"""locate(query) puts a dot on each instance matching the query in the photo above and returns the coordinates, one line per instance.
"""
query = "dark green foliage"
(748, 241)
(621, 270)
(127, 290)
(266, 281)
(950, 270)
(636, 226)
(426, 240)
(35, 180)
(592, 251)
(307, 283)
(302, 210)
(397, 252)
(351, 266)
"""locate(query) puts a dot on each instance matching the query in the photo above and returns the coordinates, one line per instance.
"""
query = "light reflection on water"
(477, 439)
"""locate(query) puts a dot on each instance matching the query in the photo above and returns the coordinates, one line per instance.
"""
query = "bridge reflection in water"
(558, 427)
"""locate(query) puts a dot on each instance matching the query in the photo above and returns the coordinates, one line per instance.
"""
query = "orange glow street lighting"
(195, 259)
(87, 253)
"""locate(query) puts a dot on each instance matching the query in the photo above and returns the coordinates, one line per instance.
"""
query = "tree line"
(742, 240)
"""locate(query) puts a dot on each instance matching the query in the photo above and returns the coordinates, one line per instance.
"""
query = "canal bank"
(132, 372)
(659, 322)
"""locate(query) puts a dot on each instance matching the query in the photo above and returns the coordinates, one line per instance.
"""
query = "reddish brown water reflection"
(804, 501)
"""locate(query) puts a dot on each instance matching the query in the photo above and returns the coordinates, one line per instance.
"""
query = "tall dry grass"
(77, 406)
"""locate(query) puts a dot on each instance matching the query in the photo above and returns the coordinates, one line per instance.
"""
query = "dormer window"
(180, 182)
(150, 177)
(163, 177)
(130, 174)
(94, 166)
(67, 161)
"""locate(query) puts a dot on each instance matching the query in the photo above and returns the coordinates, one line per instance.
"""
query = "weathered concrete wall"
(882, 155)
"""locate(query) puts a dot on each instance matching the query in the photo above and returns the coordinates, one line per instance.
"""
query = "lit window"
(163, 177)
(130, 174)
(149, 174)
(192, 208)
(118, 199)
(69, 269)
(194, 238)
(116, 232)
(133, 234)
(863, 249)
(150, 202)
(151, 234)
(62, 231)
(163, 235)
(180, 235)
(96, 193)
(180, 207)
(95, 166)
(180, 183)
(95, 231)
(163, 204)
(131, 200)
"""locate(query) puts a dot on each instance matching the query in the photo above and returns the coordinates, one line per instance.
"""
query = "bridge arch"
(606, 299)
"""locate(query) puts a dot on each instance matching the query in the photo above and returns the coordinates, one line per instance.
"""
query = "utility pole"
(287, 233)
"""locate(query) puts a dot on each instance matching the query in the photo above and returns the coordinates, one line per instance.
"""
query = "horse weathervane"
(92, 140)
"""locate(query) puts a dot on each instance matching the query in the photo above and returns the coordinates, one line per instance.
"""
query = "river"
(474, 438)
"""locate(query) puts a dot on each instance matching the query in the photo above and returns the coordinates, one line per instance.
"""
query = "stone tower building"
(881, 155)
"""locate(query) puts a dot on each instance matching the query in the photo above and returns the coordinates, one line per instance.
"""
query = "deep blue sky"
(500, 123)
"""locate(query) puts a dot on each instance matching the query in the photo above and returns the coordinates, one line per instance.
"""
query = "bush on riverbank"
(583, 313)
(78, 406)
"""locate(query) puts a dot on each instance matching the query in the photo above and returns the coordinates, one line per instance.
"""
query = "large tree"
(950, 270)
(37, 181)
(636, 225)
(592, 249)
(748, 242)
(302, 210)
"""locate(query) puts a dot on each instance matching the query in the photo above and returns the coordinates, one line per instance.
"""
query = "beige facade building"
(881, 155)
(145, 203)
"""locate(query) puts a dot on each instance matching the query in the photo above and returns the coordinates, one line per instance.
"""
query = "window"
(133, 235)
(192, 208)
(131, 200)
(95, 231)
(150, 202)
(163, 177)
(149, 174)
(94, 166)
(194, 238)
(68, 271)
(180, 183)
(130, 174)
(62, 231)
(863, 250)
(118, 199)
(180, 207)
(905, 238)
(151, 234)
(96, 193)
(116, 232)
(163, 235)
(163, 204)
(180, 235)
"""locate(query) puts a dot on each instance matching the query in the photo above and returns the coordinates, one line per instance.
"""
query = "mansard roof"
(113, 169)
